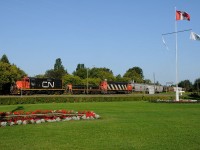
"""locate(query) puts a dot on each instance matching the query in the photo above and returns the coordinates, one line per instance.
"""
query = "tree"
(8, 75)
(39, 76)
(135, 74)
(58, 71)
(92, 81)
(4, 59)
(58, 65)
(119, 78)
(80, 66)
(101, 73)
(147, 81)
(196, 85)
(186, 84)
(81, 71)
(70, 79)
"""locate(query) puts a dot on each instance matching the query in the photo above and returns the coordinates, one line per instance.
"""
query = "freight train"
(30, 85)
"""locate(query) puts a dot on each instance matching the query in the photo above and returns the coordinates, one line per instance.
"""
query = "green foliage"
(101, 73)
(94, 74)
(135, 74)
(58, 65)
(147, 81)
(81, 72)
(196, 85)
(4, 59)
(186, 84)
(90, 98)
(70, 79)
(9, 74)
(119, 78)
(80, 66)
(58, 72)
(92, 81)
(40, 76)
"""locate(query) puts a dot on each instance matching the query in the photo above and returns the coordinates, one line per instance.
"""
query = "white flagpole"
(176, 36)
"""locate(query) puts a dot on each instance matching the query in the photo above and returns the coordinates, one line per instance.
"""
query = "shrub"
(74, 99)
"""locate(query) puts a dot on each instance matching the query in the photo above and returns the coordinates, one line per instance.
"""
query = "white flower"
(19, 122)
(49, 120)
(74, 118)
(32, 121)
(58, 119)
(78, 117)
(53, 120)
(38, 121)
(42, 120)
(3, 124)
(97, 116)
(11, 123)
(24, 122)
(84, 117)
(68, 118)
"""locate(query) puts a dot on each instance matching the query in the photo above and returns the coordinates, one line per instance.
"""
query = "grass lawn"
(124, 125)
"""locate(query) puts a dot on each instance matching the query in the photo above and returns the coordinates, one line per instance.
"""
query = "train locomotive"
(30, 85)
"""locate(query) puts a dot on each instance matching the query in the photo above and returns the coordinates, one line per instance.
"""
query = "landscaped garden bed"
(42, 116)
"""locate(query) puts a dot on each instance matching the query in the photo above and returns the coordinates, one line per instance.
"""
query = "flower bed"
(41, 116)
(174, 101)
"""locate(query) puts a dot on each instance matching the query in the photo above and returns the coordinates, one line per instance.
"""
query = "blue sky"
(117, 34)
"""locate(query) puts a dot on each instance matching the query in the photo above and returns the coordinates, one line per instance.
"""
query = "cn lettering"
(46, 84)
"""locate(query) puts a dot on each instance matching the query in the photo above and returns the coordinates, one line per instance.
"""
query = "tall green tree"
(147, 81)
(196, 85)
(81, 71)
(135, 73)
(80, 66)
(58, 71)
(119, 78)
(186, 84)
(4, 59)
(70, 79)
(101, 73)
(8, 75)
(58, 65)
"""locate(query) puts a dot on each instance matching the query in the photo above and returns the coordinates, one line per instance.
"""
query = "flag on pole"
(194, 36)
(181, 15)
(165, 43)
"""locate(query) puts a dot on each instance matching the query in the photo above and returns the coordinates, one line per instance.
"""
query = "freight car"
(104, 88)
(83, 89)
(29, 85)
(147, 88)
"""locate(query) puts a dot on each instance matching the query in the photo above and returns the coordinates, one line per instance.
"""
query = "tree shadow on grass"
(3, 114)
(18, 108)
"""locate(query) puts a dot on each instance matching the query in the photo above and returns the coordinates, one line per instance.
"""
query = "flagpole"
(176, 36)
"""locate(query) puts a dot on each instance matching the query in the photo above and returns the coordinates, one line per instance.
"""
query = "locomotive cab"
(20, 85)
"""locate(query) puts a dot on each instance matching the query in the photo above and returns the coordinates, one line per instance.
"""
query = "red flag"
(181, 15)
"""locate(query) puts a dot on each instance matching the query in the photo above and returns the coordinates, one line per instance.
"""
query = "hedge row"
(36, 100)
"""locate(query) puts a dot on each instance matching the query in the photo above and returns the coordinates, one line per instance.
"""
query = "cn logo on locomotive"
(47, 84)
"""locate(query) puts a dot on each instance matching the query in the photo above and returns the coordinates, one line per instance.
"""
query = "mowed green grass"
(124, 125)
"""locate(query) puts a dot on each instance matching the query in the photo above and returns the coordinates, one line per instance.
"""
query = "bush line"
(38, 100)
